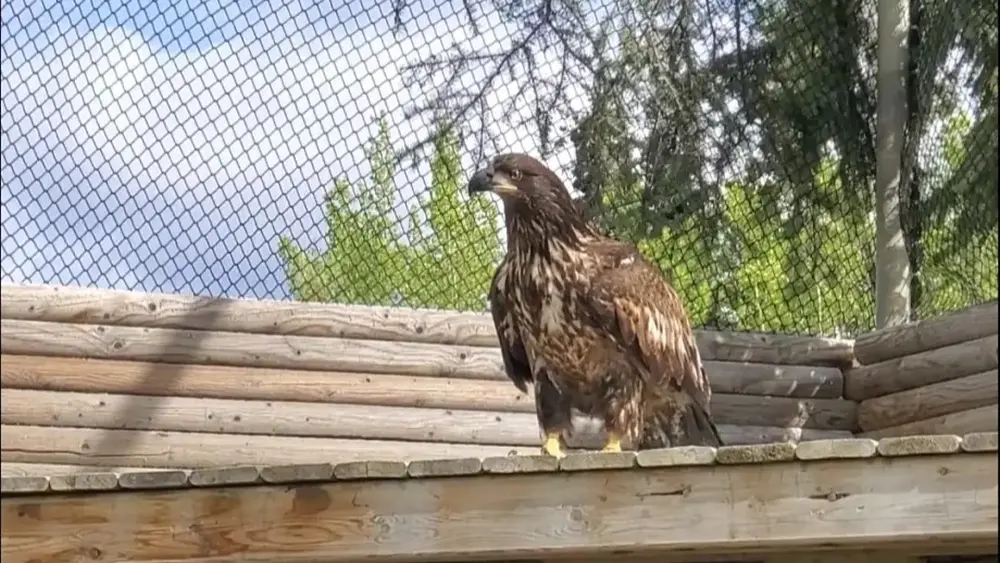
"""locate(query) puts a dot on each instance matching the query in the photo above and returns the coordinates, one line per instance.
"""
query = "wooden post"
(892, 265)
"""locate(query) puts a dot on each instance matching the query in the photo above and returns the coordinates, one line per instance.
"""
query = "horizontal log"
(9, 469)
(182, 450)
(223, 382)
(929, 401)
(156, 310)
(81, 375)
(263, 384)
(326, 354)
(247, 350)
(981, 419)
(928, 334)
(924, 368)
(139, 412)
(907, 502)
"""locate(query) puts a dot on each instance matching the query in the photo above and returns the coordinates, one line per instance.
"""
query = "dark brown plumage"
(589, 321)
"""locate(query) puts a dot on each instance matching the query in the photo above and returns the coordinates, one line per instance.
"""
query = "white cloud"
(131, 163)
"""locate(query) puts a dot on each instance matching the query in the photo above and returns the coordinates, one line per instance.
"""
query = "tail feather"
(693, 427)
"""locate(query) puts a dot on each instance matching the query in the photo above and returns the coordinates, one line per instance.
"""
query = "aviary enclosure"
(242, 296)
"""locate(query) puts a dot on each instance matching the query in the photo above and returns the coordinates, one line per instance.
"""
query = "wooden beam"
(497, 394)
(929, 401)
(36, 338)
(924, 502)
(982, 419)
(355, 422)
(123, 308)
(911, 338)
(11, 469)
(157, 380)
(134, 448)
(837, 557)
(129, 448)
(924, 368)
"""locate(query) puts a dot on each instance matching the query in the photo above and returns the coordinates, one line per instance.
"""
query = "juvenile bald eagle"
(589, 321)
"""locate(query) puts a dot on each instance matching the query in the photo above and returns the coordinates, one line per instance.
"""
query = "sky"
(163, 146)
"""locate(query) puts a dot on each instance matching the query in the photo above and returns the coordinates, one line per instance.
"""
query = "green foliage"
(747, 178)
(367, 262)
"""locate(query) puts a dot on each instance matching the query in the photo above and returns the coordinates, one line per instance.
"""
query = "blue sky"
(164, 146)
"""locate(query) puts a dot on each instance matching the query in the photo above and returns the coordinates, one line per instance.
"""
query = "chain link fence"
(319, 150)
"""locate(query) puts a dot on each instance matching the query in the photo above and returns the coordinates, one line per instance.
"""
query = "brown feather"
(591, 320)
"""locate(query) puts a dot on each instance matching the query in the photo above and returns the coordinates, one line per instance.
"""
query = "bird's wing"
(515, 359)
(635, 305)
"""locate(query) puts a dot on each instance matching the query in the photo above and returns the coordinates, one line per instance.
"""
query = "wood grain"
(247, 350)
(12, 469)
(945, 330)
(264, 384)
(122, 308)
(183, 450)
(929, 401)
(278, 418)
(69, 374)
(924, 368)
(223, 382)
(982, 419)
(750, 508)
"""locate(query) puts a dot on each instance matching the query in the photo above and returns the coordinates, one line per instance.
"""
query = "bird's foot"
(614, 443)
(553, 445)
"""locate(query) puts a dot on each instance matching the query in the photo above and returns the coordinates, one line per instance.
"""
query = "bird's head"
(522, 181)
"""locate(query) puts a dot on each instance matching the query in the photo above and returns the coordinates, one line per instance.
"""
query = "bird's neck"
(535, 237)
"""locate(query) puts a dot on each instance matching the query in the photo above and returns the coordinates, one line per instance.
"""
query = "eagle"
(589, 322)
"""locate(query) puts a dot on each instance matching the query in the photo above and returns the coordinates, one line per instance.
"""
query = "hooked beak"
(487, 180)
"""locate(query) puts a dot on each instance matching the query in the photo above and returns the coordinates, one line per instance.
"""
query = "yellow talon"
(614, 443)
(553, 445)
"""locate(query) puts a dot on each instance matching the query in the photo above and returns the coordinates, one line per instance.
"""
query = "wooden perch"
(929, 401)
(924, 368)
(286, 318)
(929, 334)
(918, 503)
(982, 419)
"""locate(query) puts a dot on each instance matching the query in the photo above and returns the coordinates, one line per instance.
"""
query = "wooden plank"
(929, 401)
(924, 368)
(982, 419)
(736, 410)
(183, 450)
(223, 382)
(262, 384)
(276, 418)
(246, 350)
(924, 502)
(911, 338)
(11, 469)
(172, 346)
(180, 414)
(122, 308)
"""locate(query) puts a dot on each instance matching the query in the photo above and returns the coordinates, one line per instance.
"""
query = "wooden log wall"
(97, 378)
(937, 376)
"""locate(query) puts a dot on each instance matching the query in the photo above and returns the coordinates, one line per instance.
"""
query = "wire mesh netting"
(318, 150)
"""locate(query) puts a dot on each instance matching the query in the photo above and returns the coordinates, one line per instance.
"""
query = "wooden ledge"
(88, 479)
(928, 502)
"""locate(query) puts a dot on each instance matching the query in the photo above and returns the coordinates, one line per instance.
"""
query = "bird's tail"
(692, 427)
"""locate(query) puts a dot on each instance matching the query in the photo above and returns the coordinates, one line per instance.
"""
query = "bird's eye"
(515, 174)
